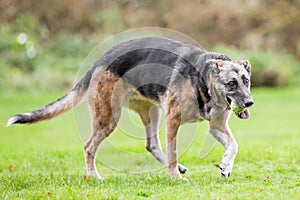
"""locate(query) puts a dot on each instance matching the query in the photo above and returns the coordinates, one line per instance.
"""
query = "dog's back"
(148, 63)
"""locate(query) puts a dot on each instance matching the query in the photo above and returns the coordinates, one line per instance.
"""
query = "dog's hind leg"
(105, 107)
(91, 146)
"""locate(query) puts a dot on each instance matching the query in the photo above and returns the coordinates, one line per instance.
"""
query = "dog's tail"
(57, 107)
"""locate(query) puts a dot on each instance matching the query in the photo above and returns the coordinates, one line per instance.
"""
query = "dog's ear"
(214, 62)
(246, 65)
(215, 65)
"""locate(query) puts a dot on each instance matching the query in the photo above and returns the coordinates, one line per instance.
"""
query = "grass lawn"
(45, 161)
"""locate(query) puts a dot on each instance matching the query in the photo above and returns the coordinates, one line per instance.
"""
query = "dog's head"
(230, 85)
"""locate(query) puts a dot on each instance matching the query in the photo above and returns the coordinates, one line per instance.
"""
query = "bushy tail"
(57, 107)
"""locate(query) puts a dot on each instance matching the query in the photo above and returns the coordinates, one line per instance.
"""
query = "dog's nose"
(249, 103)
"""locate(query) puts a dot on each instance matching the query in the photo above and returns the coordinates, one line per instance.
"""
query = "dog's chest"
(192, 114)
(190, 109)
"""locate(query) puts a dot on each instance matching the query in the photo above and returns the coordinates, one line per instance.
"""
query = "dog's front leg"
(224, 136)
(173, 124)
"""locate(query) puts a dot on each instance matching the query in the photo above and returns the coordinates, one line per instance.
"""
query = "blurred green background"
(42, 44)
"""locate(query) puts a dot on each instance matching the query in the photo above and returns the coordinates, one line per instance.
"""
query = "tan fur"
(188, 102)
(142, 108)
(105, 105)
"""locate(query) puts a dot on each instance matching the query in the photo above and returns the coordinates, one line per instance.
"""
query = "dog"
(151, 74)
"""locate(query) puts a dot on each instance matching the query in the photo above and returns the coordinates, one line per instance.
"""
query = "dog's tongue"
(244, 115)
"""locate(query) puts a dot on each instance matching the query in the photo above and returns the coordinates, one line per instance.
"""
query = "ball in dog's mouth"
(240, 112)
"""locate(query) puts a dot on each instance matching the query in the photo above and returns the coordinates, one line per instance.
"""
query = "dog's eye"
(232, 83)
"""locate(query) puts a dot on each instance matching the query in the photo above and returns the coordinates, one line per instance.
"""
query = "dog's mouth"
(243, 115)
(240, 112)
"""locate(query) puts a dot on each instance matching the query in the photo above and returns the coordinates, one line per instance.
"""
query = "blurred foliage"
(59, 34)
(246, 24)
(242, 23)
(39, 62)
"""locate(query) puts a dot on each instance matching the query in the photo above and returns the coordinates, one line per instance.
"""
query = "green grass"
(45, 161)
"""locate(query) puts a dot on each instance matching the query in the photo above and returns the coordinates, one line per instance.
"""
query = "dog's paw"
(94, 174)
(174, 172)
(225, 170)
(182, 169)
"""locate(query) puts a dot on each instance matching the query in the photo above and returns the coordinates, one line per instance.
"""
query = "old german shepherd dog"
(153, 73)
